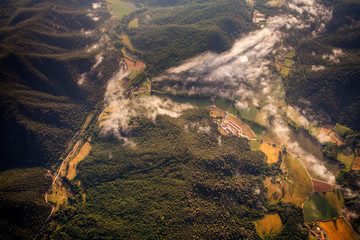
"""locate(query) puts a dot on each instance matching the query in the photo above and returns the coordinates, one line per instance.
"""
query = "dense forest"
(176, 181)
(174, 184)
(43, 53)
(335, 87)
(170, 34)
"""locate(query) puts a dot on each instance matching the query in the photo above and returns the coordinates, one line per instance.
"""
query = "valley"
(198, 136)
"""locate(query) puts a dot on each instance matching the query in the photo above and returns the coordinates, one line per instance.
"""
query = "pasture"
(120, 8)
(300, 183)
(339, 230)
(318, 208)
(270, 224)
(335, 198)
(272, 152)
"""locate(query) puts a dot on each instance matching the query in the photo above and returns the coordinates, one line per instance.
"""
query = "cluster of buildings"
(258, 17)
(231, 128)
(318, 233)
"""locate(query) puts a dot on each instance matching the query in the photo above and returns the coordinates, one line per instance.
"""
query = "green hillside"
(335, 89)
(42, 55)
(173, 185)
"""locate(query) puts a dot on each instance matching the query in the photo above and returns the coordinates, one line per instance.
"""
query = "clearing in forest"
(84, 151)
(134, 23)
(120, 8)
(272, 152)
(341, 130)
(254, 145)
(268, 225)
(356, 164)
(346, 159)
(279, 191)
(338, 230)
(125, 39)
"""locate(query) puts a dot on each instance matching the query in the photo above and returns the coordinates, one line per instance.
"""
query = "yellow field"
(347, 160)
(279, 191)
(336, 199)
(268, 225)
(215, 112)
(125, 39)
(285, 71)
(66, 161)
(59, 195)
(338, 230)
(134, 23)
(356, 164)
(271, 152)
(84, 151)
(275, 3)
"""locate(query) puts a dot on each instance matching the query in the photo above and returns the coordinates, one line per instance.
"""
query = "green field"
(134, 23)
(300, 184)
(249, 114)
(346, 159)
(288, 63)
(341, 130)
(285, 71)
(223, 104)
(291, 54)
(198, 102)
(120, 8)
(254, 145)
(318, 208)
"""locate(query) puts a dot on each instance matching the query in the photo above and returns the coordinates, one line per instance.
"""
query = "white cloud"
(96, 5)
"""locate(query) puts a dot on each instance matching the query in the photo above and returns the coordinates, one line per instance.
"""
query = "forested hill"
(334, 87)
(43, 52)
(172, 31)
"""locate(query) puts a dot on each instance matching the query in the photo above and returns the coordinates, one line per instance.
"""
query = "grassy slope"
(318, 208)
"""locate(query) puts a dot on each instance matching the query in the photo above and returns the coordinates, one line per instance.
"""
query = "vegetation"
(169, 35)
(270, 224)
(349, 179)
(338, 229)
(22, 205)
(186, 187)
(318, 208)
(335, 89)
(300, 184)
(120, 8)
